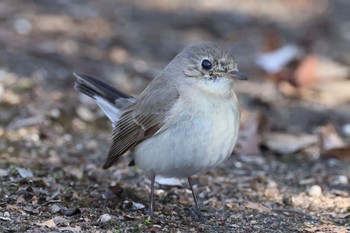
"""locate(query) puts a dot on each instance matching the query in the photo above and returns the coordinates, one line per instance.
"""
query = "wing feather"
(141, 120)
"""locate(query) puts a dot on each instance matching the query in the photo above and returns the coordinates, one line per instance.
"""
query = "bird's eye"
(206, 64)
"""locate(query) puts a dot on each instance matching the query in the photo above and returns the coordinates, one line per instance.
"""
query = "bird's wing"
(142, 119)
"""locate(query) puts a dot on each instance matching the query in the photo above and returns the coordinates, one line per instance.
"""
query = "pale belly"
(191, 143)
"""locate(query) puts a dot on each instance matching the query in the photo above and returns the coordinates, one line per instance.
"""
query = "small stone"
(7, 214)
(91, 145)
(346, 130)
(118, 55)
(168, 181)
(78, 124)
(3, 172)
(104, 218)
(85, 114)
(138, 206)
(238, 164)
(23, 26)
(55, 208)
(55, 113)
(24, 173)
(315, 191)
(342, 179)
(60, 221)
(253, 222)
(70, 212)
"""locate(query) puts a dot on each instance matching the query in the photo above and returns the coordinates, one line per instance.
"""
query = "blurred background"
(296, 106)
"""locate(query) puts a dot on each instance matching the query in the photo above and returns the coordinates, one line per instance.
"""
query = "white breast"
(199, 135)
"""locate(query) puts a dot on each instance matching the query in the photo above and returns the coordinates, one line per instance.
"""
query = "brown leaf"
(314, 69)
(305, 74)
(339, 153)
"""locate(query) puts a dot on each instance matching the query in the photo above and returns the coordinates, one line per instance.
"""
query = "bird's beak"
(239, 75)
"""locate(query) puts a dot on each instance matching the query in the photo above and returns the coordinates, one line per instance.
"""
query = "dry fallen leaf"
(339, 153)
(287, 143)
(275, 61)
(249, 135)
(333, 93)
(330, 93)
(332, 144)
(329, 138)
(257, 206)
(314, 69)
(305, 73)
(49, 223)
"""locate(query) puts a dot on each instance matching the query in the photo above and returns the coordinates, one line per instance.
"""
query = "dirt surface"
(53, 141)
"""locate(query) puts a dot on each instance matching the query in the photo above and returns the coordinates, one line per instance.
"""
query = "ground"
(53, 141)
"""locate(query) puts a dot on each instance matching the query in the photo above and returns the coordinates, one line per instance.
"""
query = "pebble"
(346, 130)
(23, 26)
(104, 218)
(85, 114)
(315, 191)
(138, 206)
(91, 145)
(55, 208)
(60, 220)
(342, 179)
(55, 113)
(24, 173)
(3, 172)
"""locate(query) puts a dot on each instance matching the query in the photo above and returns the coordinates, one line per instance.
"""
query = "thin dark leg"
(194, 196)
(151, 197)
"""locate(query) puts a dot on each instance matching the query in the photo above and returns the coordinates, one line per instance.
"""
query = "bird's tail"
(109, 99)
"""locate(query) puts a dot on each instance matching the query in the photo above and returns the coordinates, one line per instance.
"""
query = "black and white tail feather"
(109, 99)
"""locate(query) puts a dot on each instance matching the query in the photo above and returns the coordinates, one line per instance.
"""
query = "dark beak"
(239, 75)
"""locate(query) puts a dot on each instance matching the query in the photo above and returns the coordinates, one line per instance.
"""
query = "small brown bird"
(184, 123)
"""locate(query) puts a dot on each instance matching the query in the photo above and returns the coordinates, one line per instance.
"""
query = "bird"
(185, 122)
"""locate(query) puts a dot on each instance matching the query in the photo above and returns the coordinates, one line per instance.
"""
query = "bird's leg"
(153, 177)
(194, 197)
